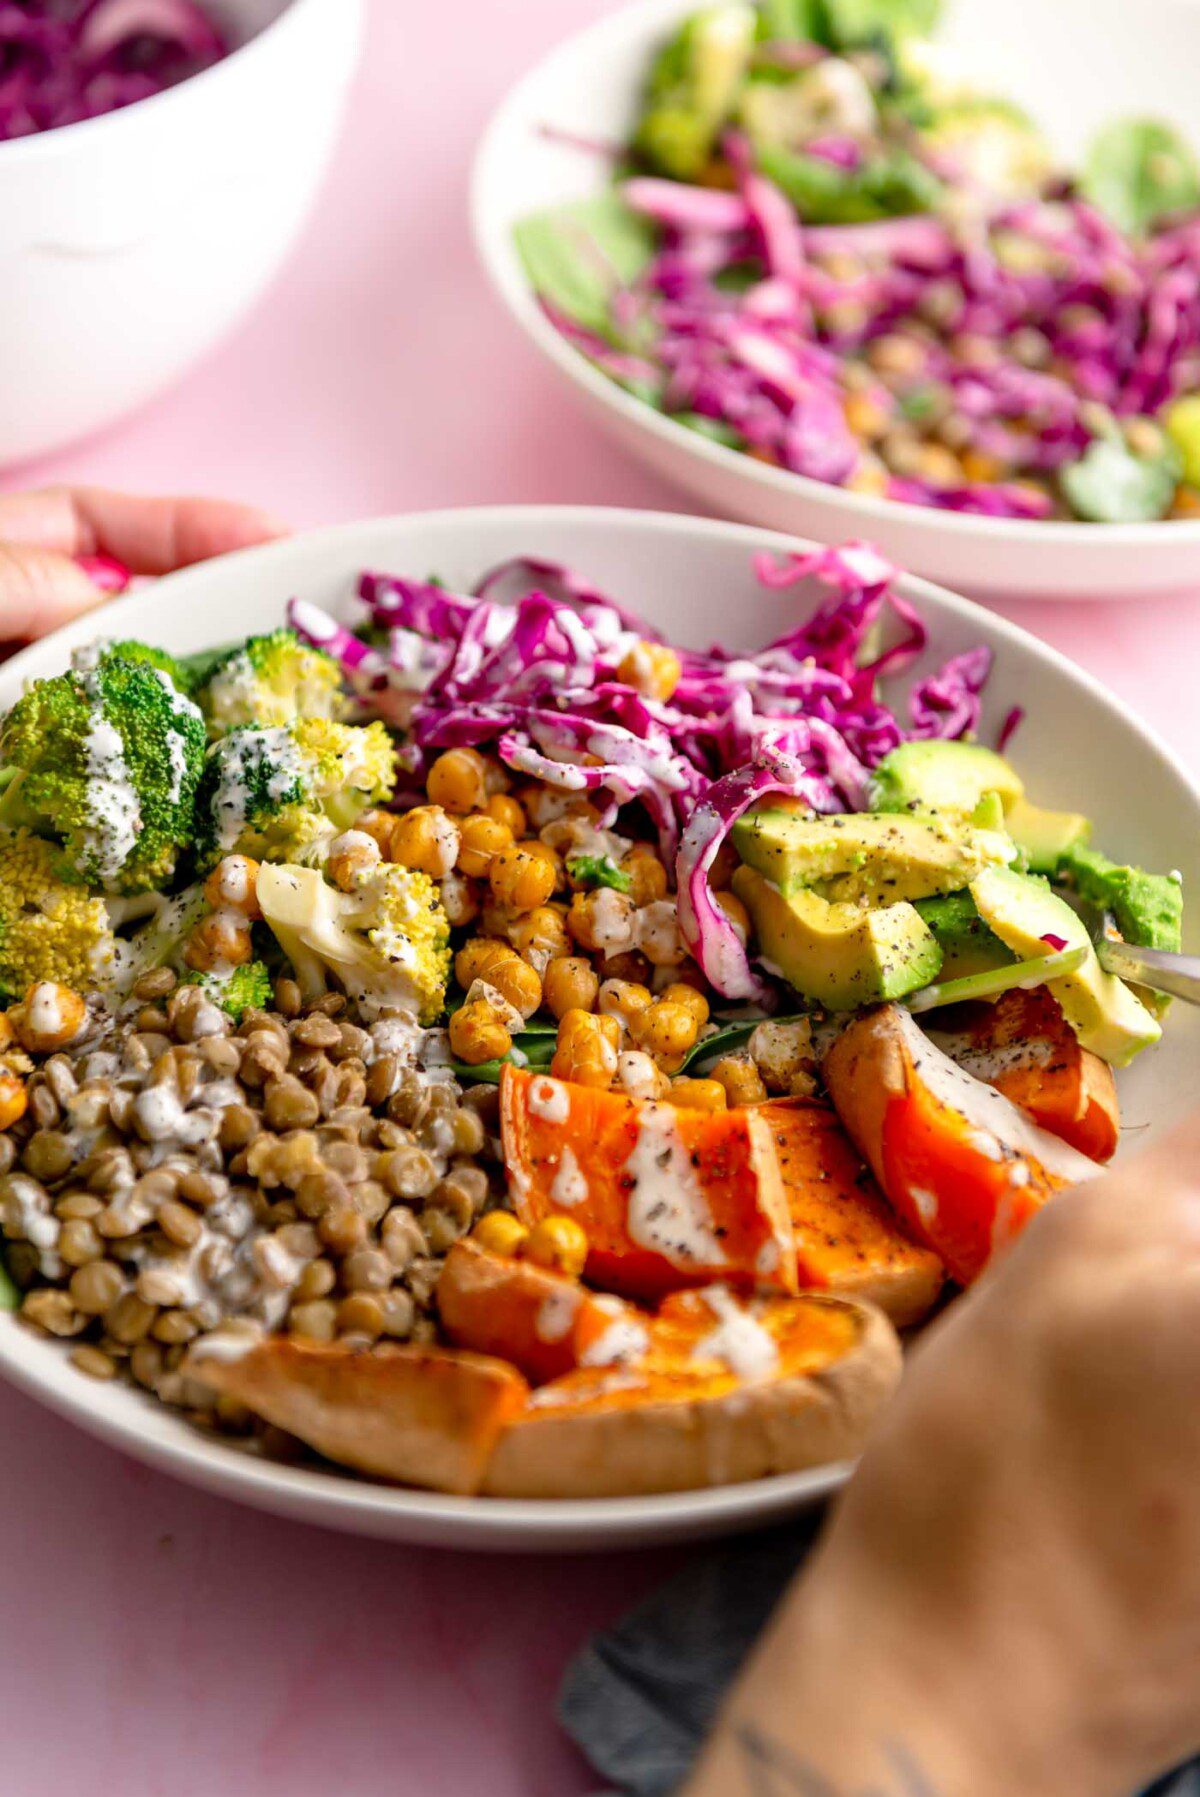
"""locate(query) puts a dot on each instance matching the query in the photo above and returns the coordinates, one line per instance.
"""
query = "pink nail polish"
(105, 572)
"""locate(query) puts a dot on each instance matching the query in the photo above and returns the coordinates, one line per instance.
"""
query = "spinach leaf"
(577, 256)
(1138, 169)
(10, 1297)
(728, 1039)
(853, 22)
(889, 186)
(1111, 485)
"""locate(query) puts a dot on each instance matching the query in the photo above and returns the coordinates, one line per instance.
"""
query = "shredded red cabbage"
(1020, 324)
(533, 664)
(66, 60)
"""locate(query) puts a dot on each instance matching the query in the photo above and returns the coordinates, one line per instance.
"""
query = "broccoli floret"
(104, 762)
(49, 930)
(129, 649)
(237, 991)
(386, 944)
(271, 680)
(278, 794)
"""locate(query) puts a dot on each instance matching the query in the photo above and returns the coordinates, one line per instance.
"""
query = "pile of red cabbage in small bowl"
(66, 60)
(824, 249)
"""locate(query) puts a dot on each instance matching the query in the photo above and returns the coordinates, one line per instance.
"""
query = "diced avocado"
(968, 946)
(840, 955)
(1147, 908)
(1046, 836)
(997, 981)
(693, 88)
(1031, 920)
(989, 812)
(942, 776)
(881, 857)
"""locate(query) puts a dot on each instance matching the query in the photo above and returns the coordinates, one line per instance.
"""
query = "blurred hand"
(1009, 1597)
(48, 539)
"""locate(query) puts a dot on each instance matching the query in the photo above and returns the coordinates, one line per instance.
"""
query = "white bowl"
(1074, 63)
(131, 242)
(1078, 748)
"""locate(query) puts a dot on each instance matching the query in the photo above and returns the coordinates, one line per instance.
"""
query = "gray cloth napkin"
(639, 1700)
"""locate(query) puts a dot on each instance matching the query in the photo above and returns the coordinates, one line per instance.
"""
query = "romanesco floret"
(271, 680)
(103, 762)
(386, 944)
(49, 930)
(236, 989)
(278, 794)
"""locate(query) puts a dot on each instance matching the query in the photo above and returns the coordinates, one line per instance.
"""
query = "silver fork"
(1159, 968)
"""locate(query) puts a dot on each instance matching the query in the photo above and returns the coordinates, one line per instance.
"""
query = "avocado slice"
(865, 856)
(841, 955)
(1031, 919)
(1046, 836)
(968, 946)
(942, 776)
(1148, 908)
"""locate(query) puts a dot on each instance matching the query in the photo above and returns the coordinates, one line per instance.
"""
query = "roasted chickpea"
(570, 984)
(49, 1017)
(666, 1031)
(232, 886)
(680, 992)
(507, 811)
(533, 845)
(221, 938)
(425, 839)
(13, 1100)
(602, 921)
(460, 900)
(623, 1000)
(540, 936)
(483, 838)
(353, 857)
(476, 959)
(638, 1077)
(477, 1034)
(521, 878)
(458, 781)
(380, 825)
(558, 1243)
(500, 1233)
(647, 875)
(587, 1049)
(783, 1055)
(741, 1080)
(698, 1094)
(518, 984)
(652, 669)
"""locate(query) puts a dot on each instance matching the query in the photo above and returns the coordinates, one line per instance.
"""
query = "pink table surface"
(159, 1642)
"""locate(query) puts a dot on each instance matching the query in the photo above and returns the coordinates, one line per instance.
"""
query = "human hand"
(1008, 1599)
(44, 536)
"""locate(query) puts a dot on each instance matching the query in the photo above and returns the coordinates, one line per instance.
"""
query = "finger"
(39, 591)
(151, 535)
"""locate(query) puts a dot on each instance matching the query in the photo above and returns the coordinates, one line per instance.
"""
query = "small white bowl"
(1075, 65)
(1077, 747)
(131, 242)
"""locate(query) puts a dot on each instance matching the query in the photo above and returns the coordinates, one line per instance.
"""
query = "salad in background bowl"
(514, 1047)
(823, 241)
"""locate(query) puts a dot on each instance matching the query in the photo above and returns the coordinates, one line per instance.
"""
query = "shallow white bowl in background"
(1075, 64)
(130, 243)
(1078, 747)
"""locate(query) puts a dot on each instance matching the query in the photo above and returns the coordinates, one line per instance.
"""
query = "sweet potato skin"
(419, 1416)
(848, 1240)
(957, 1185)
(685, 1429)
(543, 1322)
(727, 1157)
(1024, 1046)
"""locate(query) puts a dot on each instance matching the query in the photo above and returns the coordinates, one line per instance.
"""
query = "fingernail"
(105, 572)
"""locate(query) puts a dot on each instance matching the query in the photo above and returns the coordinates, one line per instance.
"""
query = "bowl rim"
(39, 1368)
(494, 250)
(62, 139)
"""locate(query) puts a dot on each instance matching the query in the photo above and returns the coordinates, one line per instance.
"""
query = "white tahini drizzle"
(549, 1100)
(569, 1186)
(739, 1339)
(668, 1212)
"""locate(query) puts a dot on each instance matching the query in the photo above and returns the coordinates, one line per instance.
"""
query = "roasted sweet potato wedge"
(667, 1197)
(546, 1323)
(1024, 1046)
(730, 1391)
(848, 1240)
(421, 1416)
(961, 1166)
